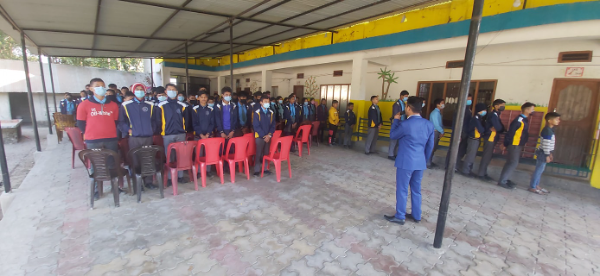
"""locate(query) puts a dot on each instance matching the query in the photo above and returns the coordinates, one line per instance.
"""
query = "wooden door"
(299, 92)
(577, 103)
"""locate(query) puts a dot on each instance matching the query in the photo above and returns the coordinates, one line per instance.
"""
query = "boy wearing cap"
(474, 132)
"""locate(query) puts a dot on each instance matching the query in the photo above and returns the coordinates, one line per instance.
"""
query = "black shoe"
(472, 175)
(267, 172)
(96, 195)
(432, 166)
(393, 219)
(257, 174)
(121, 190)
(410, 216)
(151, 186)
(486, 178)
(392, 158)
(506, 186)
(367, 153)
(510, 183)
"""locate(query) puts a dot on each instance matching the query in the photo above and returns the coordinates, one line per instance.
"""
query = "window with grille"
(581, 56)
(300, 75)
(338, 73)
(455, 64)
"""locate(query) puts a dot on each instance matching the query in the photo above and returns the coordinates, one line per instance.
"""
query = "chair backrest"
(284, 144)
(76, 137)
(251, 144)
(144, 158)
(185, 153)
(241, 145)
(315, 128)
(99, 160)
(276, 135)
(274, 139)
(212, 149)
(303, 130)
(124, 149)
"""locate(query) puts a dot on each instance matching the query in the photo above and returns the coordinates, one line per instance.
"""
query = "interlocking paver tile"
(368, 270)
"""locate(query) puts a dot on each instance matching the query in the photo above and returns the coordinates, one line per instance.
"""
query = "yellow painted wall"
(441, 13)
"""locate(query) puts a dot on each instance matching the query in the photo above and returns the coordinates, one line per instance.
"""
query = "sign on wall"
(574, 72)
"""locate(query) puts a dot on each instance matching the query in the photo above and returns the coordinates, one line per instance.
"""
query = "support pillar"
(187, 73)
(52, 82)
(221, 83)
(266, 80)
(44, 89)
(151, 73)
(358, 87)
(4, 165)
(231, 55)
(30, 94)
(465, 82)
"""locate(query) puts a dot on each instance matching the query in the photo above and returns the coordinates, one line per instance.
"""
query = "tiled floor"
(326, 220)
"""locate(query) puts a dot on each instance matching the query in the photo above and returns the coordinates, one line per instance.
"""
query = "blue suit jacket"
(415, 140)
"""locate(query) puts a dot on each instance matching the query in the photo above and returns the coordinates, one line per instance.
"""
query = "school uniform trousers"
(472, 148)
(486, 157)
(136, 142)
(167, 140)
(512, 161)
(374, 120)
(347, 134)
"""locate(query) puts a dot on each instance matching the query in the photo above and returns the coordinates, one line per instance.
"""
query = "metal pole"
(151, 73)
(44, 89)
(465, 82)
(187, 73)
(231, 54)
(29, 94)
(52, 82)
(4, 165)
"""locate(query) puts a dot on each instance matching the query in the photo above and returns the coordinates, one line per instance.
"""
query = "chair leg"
(241, 166)
(195, 173)
(138, 187)
(232, 170)
(129, 188)
(174, 180)
(300, 149)
(160, 184)
(203, 174)
(308, 147)
(220, 172)
(289, 167)
(73, 159)
(277, 169)
(115, 189)
(247, 169)
(101, 188)
(92, 194)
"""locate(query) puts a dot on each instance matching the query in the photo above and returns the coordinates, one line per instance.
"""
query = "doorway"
(576, 100)
(299, 92)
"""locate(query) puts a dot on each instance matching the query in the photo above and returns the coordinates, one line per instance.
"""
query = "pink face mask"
(312, 102)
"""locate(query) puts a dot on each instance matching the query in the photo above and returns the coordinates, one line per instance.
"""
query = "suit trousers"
(486, 157)
(472, 148)
(167, 140)
(347, 135)
(436, 142)
(136, 142)
(512, 161)
(405, 179)
(371, 142)
(262, 149)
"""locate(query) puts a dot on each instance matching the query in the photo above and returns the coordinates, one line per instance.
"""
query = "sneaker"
(510, 183)
(267, 172)
(506, 186)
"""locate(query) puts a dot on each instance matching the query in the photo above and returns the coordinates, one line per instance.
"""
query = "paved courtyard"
(326, 220)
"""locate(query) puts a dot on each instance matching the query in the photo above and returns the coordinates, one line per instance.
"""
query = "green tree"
(11, 49)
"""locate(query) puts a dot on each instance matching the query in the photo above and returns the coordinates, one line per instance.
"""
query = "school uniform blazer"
(233, 116)
(492, 119)
(287, 114)
(415, 140)
(374, 119)
(263, 124)
(398, 107)
(518, 132)
(475, 127)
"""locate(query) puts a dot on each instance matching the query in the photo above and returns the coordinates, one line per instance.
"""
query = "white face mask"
(442, 106)
(266, 105)
(171, 93)
(100, 91)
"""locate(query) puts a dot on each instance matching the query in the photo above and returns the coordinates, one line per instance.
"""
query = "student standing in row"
(203, 117)
(97, 119)
(334, 121)
(375, 123)
(67, 105)
(415, 138)
(227, 115)
(175, 120)
(435, 117)
(545, 153)
(349, 122)
(264, 127)
(322, 117)
(398, 107)
(474, 132)
(514, 141)
(493, 129)
(137, 118)
(244, 113)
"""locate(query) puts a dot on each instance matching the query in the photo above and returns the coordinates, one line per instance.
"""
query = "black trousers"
(334, 129)
(322, 127)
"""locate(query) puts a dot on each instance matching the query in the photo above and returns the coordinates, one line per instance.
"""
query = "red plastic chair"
(304, 139)
(275, 137)
(276, 156)
(76, 138)
(251, 151)
(212, 156)
(185, 152)
(239, 156)
(315, 132)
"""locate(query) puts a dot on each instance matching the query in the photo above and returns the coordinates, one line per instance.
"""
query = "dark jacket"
(374, 118)
(518, 132)
(174, 117)
(349, 118)
(475, 128)
(63, 106)
(203, 119)
(287, 114)
(308, 114)
(233, 117)
(467, 119)
(398, 107)
(322, 113)
(249, 110)
(263, 124)
(139, 117)
(492, 119)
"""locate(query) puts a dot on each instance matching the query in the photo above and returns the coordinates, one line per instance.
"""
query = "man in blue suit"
(416, 138)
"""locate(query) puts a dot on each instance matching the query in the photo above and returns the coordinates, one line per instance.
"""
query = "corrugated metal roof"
(155, 28)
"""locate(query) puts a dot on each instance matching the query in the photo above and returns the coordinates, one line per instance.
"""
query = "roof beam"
(96, 24)
(142, 2)
(156, 53)
(137, 36)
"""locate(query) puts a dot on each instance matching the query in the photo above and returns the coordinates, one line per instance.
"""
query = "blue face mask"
(405, 98)
(227, 98)
(119, 98)
(469, 102)
(181, 98)
(171, 93)
(211, 104)
(273, 104)
(483, 113)
(305, 103)
(162, 98)
(139, 94)
(280, 101)
(100, 91)
(266, 105)
(423, 105)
